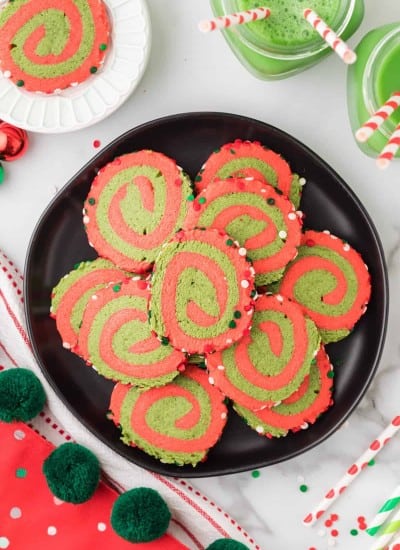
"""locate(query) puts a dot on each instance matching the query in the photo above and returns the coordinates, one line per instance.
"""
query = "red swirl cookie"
(253, 213)
(136, 203)
(116, 338)
(268, 364)
(201, 291)
(177, 423)
(330, 281)
(48, 45)
(300, 409)
(243, 159)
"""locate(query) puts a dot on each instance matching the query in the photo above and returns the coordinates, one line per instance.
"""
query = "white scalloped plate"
(101, 94)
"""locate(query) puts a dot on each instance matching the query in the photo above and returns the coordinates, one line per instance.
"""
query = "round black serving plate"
(59, 241)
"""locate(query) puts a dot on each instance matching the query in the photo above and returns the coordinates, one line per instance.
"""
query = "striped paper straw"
(331, 38)
(378, 118)
(387, 533)
(395, 544)
(384, 512)
(234, 19)
(389, 150)
(353, 471)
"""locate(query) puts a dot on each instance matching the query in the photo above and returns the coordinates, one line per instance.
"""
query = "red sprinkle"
(328, 523)
(178, 182)
(310, 242)
(196, 206)
(142, 284)
(334, 517)
(334, 532)
(96, 143)
(361, 519)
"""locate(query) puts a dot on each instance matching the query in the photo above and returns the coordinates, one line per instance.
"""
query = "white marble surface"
(189, 71)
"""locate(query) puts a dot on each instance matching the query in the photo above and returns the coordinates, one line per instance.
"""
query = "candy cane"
(389, 150)
(234, 19)
(353, 471)
(331, 38)
(378, 118)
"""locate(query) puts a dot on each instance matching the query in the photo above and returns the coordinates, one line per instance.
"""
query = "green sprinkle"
(237, 314)
(253, 293)
(232, 324)
(197, 178)
(20, 83)
(190, 198)
(331, 374)
(76, 265)
(93, 70)
(164, 341)
(232, 151)
(92, 201)
(354, 532)
(202, 200)
(303, 488)
(314, 361)
(371, 462)
(1, 173)
(21, 472)
(103, 47)
(226, 401)
(278, 191)
(255, 474)
(271, 201)
(149, 314)
(116, 288)
(216, 150)
(229, 242)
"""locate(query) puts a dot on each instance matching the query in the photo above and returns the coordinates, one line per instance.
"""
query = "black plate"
(59, 242)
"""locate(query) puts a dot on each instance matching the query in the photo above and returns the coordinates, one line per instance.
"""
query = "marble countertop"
(189, 71)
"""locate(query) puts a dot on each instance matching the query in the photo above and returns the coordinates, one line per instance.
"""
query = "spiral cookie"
(271, 362)
(250, 159)
(251, 212)
(48, 45)
(72, 293)
(176, 423)
(136, 203)
(201, 291)
(300, 409)
(331, 283)
(116, 338)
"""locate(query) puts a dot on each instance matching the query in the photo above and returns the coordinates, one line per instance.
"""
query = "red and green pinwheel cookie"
(303, 407)
(201, 291)
(74, 290)
(115, 337)
(48, 45)
(243, 159)
(177, 423)
(264, 223)
(330, 281)
(136, 203)
(270, 363)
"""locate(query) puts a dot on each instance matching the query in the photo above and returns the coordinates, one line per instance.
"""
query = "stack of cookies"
(208, 298)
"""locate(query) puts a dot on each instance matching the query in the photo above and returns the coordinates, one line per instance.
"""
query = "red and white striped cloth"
(197, 521)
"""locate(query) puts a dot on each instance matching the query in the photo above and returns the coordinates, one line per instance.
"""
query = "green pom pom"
(72, 473)
(227, 544)
(22, 396)
(140, 515)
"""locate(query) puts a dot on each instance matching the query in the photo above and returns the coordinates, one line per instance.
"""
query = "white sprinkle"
(302, 181)
(7, 74)
(244, 283)
(136, 278)
(95, 297)
(223, 416)
(86, 220)
(346, 247)
(299, 214)
(277, 403)
(292, 216)
(183, 350)
(57, 91)
(326, 231)
(237, 243)
(249, 178)
(282, 234)
(259, 429)
(366, 267)
(263, 190)
(57, 501)
(221, 367)
(101, 526)
(316, 352)
(66, 345)
(304, 426)
(279, 298)
(347, 423)
(331, 542)
(51, 309)
(91, 244)
(83, 211)
(229, 341)
(211, 380)
(300, 479)
(19, 435)
(333, 237)
(51, 530)
(242, 251)
(321, 533)
(250, 312)
(73, 84)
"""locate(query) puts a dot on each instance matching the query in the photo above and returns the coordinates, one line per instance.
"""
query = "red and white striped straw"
(234, 19)
(389, 150)
(353, 472)
(331, 38)
(378, 118)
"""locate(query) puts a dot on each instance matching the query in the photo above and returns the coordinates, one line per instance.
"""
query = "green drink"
(285, 43)
(372, 81)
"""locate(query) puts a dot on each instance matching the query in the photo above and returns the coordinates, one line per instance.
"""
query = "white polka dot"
(326, 231)
(292, 216)
(101, 526)
(279, 298)
(244, 283)
(221, 367)
(86, 220)
(304, 426)
(51, 530)
(19, 435)
(242, 251)
(95, 297)
(57, 501)
(66, 345)
(259, 429)
(4, 542)
(211, 380)
(346, 247)
(229, 340)
(223, 416)
(15, 512)
(302, 181)
(282, 234)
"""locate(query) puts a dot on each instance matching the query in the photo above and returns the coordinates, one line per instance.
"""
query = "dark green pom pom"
(140, 515)
(22, 396)
(227, 544)
(72, 473)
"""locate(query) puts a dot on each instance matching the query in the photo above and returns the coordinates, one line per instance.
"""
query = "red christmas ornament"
(13, 141)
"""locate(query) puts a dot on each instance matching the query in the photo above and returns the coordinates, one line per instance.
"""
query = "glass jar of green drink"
(284, 43)
(372, 81)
